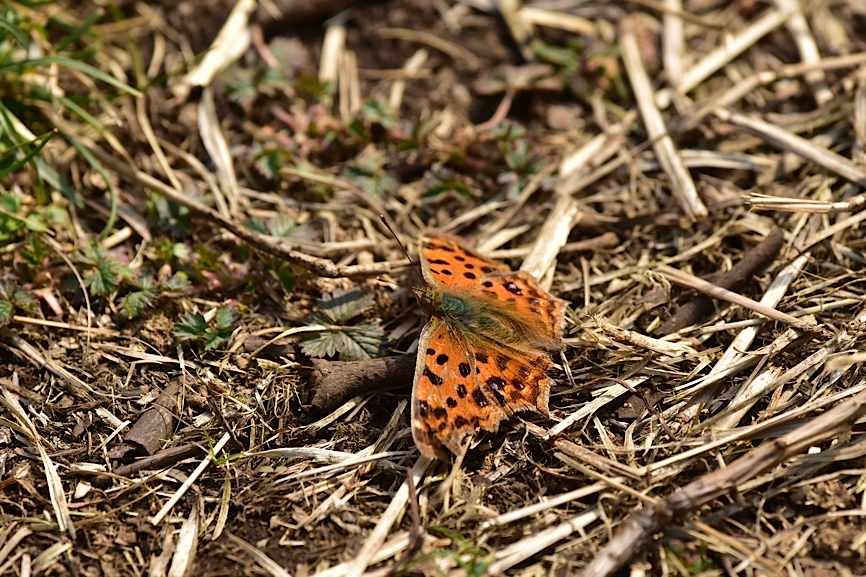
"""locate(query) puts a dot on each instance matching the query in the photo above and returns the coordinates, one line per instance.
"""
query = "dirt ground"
(207, 341)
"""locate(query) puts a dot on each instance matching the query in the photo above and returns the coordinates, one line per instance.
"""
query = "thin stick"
(808, 48)
(377, 536)
(156, 519)
(787, 141)
(682, 185)
(639, 528)
(320, 266)
(714, 291)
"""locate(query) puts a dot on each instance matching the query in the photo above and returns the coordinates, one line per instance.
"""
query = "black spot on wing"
(431, 351)
(464, 369)
(511, 287)
(496, 383)
(501, 362)
(431, 376)
(440, 413)
(461, 391)
(461, 422)
(451, 402)
(487, 284)
(442, 359)
(437, 261)
(470, 275)
(479, 398)
(481, 358)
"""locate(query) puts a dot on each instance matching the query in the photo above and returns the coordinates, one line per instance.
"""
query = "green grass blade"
(70, 63)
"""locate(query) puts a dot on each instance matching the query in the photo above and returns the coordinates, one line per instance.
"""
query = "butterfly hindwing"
(443, 413)
(464, 386)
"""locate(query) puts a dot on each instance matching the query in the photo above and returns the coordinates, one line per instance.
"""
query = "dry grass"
(195, 278)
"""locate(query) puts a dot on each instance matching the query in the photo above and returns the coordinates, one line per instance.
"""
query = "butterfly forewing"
(447, 264)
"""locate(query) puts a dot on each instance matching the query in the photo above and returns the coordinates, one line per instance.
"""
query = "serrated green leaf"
(101, 280)
(351, 343)
(282, 226)
(24, 300)
(7, 309)
(340, 307)
(257, 225)
(215, 339)
(225, 319)
(191, 327)
(178, 281)
(137, 302)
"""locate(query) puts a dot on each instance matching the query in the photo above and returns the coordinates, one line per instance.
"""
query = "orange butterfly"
(484, 353)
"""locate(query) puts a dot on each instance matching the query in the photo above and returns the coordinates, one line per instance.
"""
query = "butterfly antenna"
(397, 238)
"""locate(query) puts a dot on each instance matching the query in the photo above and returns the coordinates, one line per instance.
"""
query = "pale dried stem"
(639, 528)
(231, 42)
(377, 536)
(716, 292)
(799, 29)
(787, 141)
(205, 463)
(332, 50)
(218, 149)
(411, 67)
(749, 84)
(721, 56)
(682, 185)
(525, 548)
(673, 41)
(541, 259)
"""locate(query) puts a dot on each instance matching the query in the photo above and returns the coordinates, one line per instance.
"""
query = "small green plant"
(514, 145)
(136, 302)
(25, 128)
(12, 298)
(472, 559)
(361, 340)
(368, 172)
(16, 220)
(103, 274)
(193, 328)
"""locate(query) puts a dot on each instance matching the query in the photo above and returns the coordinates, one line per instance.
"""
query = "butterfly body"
(483, 354)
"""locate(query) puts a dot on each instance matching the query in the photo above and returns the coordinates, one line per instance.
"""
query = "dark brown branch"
(752, 263)
(165, 458)
(278, 14)
(334, 382)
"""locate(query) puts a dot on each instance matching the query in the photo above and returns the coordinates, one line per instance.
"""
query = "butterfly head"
(442, 304)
